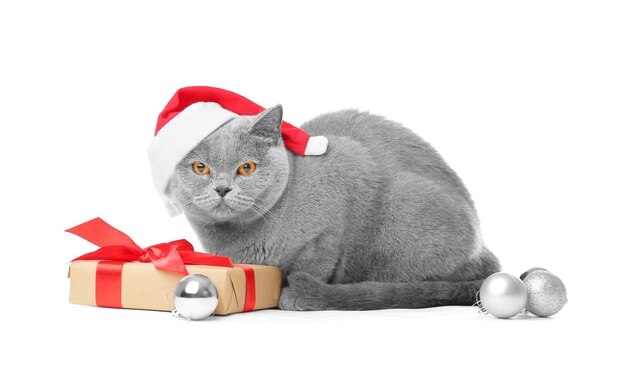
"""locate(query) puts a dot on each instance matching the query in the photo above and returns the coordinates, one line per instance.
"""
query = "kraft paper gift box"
(142, 286)
(120, 274)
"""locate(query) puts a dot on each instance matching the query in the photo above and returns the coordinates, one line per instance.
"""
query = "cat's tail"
(306, 292)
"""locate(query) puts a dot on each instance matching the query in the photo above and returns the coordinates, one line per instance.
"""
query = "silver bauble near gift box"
(195, 297)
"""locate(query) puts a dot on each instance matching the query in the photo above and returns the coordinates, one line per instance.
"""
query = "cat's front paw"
(304, 292)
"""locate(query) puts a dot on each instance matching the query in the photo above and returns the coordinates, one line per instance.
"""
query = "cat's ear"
(268, 123)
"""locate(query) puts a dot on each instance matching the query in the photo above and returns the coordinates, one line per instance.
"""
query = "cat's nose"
(222, 190)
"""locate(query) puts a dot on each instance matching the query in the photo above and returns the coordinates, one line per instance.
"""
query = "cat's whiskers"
(261, 209)
(258, 211)
(204, 197)
(205, 201)
(237, 201)
(244, 198)
(241, 199)
(250, 202)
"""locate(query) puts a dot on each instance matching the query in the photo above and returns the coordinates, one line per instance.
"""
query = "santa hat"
(195, 112)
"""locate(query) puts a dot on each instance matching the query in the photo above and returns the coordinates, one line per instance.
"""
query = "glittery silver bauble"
(546, 293)
(195, 297)
(530, 271)
(503, 295)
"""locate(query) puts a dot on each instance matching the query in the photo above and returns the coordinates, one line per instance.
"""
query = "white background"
(525, 100)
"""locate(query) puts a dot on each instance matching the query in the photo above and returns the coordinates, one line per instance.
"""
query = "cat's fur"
(379, 221)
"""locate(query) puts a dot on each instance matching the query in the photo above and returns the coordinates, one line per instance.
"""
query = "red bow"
(117, 246)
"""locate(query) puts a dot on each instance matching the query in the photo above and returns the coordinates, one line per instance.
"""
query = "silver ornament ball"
(195, 297)
(546, 293)
(503, 295)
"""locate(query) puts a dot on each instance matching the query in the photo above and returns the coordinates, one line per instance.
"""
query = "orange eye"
(200, 168)
(246, 168)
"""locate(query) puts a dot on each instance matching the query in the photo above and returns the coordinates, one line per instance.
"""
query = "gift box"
(122, 275)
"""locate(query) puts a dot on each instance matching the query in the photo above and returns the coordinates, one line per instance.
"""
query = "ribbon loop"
(117, 246)
(100, 233)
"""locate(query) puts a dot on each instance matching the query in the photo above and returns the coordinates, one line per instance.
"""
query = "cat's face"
(235, 174)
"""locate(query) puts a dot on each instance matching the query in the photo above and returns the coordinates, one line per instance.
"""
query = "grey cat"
(379, 221)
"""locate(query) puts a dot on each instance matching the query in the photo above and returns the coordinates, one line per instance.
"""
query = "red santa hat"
(195, 112)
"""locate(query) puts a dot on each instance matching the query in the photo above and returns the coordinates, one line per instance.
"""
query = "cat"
(379, 221)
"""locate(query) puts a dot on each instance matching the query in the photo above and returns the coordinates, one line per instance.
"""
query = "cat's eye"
(200, 168)
(246, 168)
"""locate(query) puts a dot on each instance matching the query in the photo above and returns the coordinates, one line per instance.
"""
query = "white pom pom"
(317, 145)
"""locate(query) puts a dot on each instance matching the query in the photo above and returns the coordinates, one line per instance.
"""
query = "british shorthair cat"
(379, 221)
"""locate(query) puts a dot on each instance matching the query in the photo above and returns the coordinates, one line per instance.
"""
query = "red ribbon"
(117, 248)
(250, 288)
